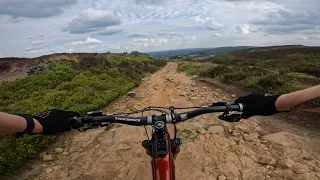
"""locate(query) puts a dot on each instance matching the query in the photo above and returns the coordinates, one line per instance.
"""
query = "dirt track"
(207, 153)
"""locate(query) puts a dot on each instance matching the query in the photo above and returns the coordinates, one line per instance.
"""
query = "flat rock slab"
(284, 138)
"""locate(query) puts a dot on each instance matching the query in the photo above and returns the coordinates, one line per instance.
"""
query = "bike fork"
(175, 149)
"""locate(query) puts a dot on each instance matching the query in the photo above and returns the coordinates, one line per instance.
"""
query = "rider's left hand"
(55, 121)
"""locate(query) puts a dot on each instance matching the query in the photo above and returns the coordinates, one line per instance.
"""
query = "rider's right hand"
(258, 104)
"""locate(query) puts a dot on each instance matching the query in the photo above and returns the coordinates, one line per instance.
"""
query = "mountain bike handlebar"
(97, 118)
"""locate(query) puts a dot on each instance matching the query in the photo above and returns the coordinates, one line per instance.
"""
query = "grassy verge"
(281, 74)
(79, 83)
(195, 68)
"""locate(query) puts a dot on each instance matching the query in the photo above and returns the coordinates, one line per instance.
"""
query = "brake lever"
(91, 126)
(230, 117)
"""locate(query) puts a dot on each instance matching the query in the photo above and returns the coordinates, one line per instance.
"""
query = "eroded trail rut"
(211, 150)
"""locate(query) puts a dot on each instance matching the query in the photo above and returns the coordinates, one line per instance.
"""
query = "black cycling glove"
(55, 121)
(258, 104)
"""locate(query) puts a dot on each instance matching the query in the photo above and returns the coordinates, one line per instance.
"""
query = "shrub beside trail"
(285, 71)
(77, 82)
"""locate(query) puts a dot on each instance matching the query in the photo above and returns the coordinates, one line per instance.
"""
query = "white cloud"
(208, 23)
(88, 41)
(190, 37)
(91, 20)
(217, 34)
(303, 37)
(37, 42)
(140, 40)
(31, 49)
(314, 36)
(147, 41)
(244, 29)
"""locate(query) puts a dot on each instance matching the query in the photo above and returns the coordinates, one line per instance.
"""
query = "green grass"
(281, 75)
(80, 83)
(195, 68)
(188, 135)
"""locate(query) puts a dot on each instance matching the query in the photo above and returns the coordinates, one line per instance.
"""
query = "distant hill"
(275, 52)
(196, 51)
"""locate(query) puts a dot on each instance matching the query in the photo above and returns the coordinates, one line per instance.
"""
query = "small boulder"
(266, 160)
(57, 168)
(207, 171)
(132, 94)
(246, 161)
(133, 108)
(233, 96)
(42, 154)
(250, 137)
(58, 150)
(316, 169)
(300, 168)
(242, 128)
(141, 95)
(307, 156)
(48, 157)
(286, 163)
(183, 94)
(222, 177)
(201, 131)
(215, 129)
(49, 170)
(235, 134)
(65, 153)
(293, 152)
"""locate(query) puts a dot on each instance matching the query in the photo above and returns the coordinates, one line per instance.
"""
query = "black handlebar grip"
(243, 107)
(76, 122)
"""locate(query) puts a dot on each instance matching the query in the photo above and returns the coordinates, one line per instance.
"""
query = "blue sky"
(36, 27)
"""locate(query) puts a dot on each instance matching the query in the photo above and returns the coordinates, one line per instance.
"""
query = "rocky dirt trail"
(211, 149)
(16, 69)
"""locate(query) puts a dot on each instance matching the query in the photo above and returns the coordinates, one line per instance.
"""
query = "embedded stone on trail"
(242, 128)
(250, 137)
(306, 156)
(189, 125)
(216, 94)
(233, 96)
(316, 169)
(58, 150)
(293, 152)
(49, 170)
(132, 94)
(222, 177)
(201, 131)
(246, 161)
(141, 95)
(47, 157)
(266, 160)
(215, 129)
